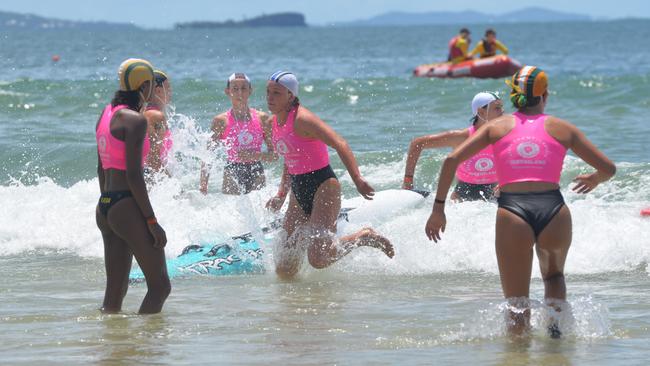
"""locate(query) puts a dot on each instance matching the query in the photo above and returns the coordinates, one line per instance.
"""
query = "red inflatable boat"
(492, 67)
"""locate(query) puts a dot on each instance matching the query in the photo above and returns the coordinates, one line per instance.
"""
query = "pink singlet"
(167, 142)
(242, 135)
(301, 155)
(112, 151)
(480, 168)
(166, 147)
(528, 153)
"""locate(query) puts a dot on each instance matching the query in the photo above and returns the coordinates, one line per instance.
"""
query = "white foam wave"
(609, 234)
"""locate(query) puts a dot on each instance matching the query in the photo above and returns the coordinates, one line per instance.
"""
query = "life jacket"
(454, 50)
(489, 48)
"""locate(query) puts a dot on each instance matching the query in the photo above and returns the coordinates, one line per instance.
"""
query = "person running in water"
(529, 148)
(124, 214)
(242, 130)
(476, 176)
(315, 192)
(160, 136)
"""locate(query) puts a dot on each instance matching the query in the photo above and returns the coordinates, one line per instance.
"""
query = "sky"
(164, 13)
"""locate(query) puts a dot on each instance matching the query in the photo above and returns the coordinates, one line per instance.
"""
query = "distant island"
(271, 20)
(19, 21)
(526, 15)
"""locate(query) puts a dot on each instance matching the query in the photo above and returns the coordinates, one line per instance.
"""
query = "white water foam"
(608, 231)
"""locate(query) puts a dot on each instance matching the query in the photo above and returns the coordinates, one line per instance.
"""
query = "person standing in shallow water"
(477, 176)
(529, 149)
(160, 136)
(242, 130)
(124, 214)
(301, 138)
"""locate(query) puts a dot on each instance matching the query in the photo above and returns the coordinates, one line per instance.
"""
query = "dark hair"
(490, 31)
(129, 98)
(520, 101)
(464, 30)
(295, 103)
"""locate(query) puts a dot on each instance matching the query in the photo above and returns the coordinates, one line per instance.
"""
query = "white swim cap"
(481, 100)
(286, 79)
(240, 76)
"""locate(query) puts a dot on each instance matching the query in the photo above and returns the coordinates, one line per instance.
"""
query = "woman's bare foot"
(370, 238)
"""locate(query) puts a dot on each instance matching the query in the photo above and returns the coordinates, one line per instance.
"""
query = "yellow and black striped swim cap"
(529, 82)
(133, 73)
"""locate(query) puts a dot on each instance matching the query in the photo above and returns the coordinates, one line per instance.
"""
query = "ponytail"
(520, 101)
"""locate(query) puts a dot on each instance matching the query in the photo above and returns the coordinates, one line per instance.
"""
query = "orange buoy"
(56, 58)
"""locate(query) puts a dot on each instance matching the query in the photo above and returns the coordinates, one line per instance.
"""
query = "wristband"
(442, 202)
(152, 220)
(281, 193)
(408, 179)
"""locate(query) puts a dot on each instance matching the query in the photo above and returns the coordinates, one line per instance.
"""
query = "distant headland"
(9, 20)
(271, 20)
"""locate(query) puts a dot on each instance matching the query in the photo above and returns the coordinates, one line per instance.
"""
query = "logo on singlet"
(281, 147)
(483, 164)
(245, 138)
(528, 149)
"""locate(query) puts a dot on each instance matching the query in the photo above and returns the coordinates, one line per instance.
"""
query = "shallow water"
(332, 317)
(433, 303)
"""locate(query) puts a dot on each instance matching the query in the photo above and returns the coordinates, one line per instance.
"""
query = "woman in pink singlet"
(301, 138)
(124, 214)
(477, 176)
(529, 148)
(160, 136)
(243, 131)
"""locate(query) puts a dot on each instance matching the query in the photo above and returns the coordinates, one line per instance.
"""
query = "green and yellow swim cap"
(133, 73)
(529, 82)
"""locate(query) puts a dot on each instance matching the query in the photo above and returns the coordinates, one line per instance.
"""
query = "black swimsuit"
(474, 192)
(108, 199)
(245, 174)
(304, 186)
(536, 208)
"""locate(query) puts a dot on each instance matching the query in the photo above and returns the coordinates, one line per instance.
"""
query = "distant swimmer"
(476, 176)
(160, 136)
(529, 148)
(124, 214)
(459, 46)
(488, 46)
(243, 131)
(301, 138)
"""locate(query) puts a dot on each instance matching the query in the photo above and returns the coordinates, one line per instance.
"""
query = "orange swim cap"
(527, 83)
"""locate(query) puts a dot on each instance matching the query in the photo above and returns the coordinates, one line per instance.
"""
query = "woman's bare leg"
(324, 251)
(117, 261)
(514, 248)
(288, 253)
(127, 222)
(552, 248)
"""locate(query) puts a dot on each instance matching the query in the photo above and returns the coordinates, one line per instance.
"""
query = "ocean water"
(433, 303)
